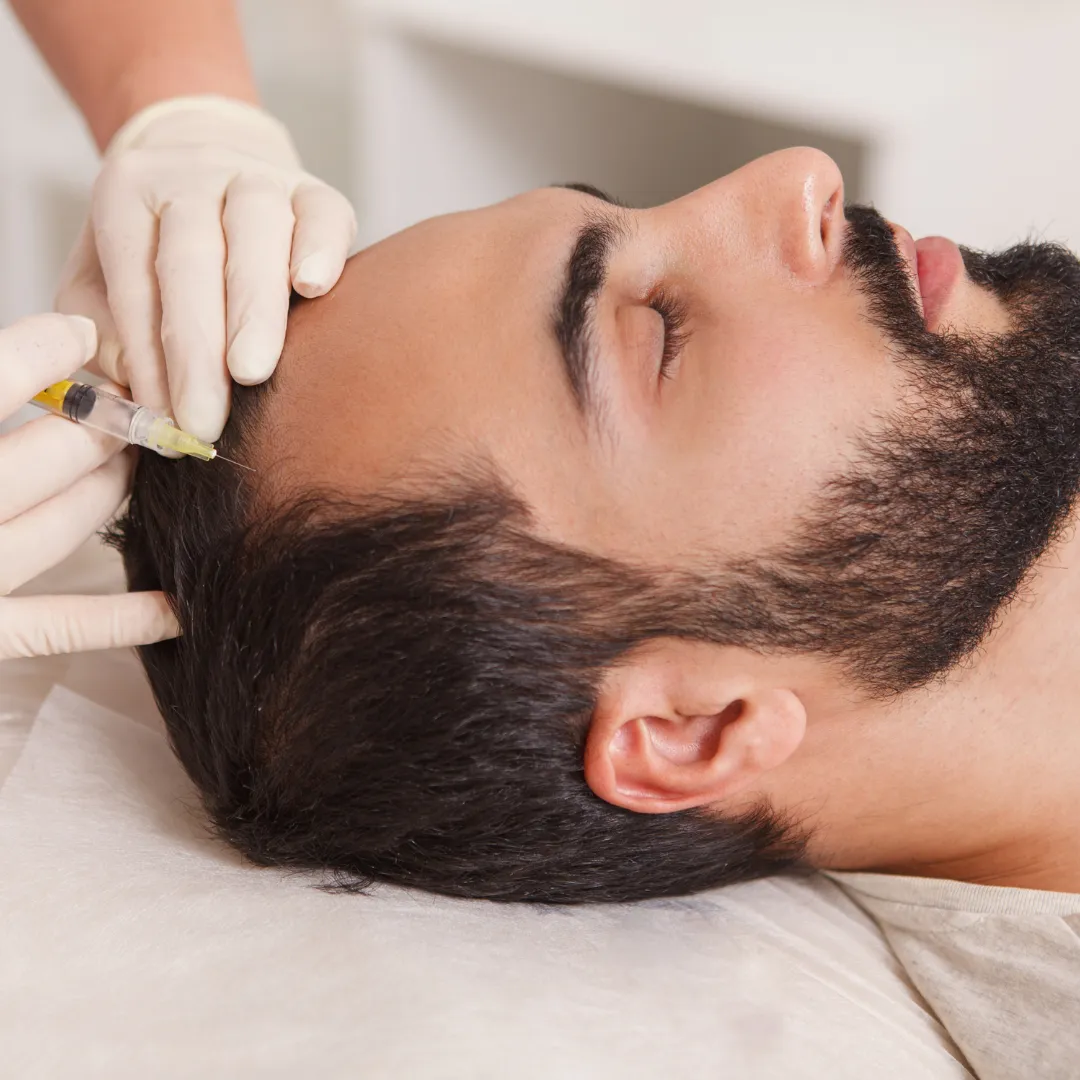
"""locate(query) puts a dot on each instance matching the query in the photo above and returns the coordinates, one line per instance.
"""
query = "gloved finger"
(325, 230)
(38, 351)
(46, 625)
(126, 236)
(52, 530)
(82, 292)
(191, 273)
(40, 459)
(258, 222)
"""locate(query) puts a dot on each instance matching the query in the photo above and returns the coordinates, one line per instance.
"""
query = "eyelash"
(674, 314)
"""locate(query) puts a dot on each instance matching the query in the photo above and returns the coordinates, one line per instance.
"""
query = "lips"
(935, 265)
(940, 267)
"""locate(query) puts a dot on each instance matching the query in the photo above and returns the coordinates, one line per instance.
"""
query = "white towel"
(134, 946)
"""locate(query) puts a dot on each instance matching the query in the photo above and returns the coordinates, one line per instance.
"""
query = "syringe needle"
(218, 457)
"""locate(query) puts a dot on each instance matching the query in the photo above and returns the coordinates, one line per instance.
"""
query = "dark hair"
(400, 690)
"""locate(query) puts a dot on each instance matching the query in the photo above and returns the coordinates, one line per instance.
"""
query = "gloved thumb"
(83, 291)
(46, 625)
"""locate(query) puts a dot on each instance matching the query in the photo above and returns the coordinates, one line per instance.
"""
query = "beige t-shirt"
(999, 966)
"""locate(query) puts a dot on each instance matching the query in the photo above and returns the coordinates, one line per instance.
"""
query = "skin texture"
(443, 337)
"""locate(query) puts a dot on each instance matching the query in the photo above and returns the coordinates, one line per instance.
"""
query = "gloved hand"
(59, 483)
(202, 221)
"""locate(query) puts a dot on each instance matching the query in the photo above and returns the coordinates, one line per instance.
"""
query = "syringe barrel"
(136, 424)
(111, 414)
(133, 423)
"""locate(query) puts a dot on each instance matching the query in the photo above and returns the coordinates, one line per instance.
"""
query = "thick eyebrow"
(572, 322)
(595, 192)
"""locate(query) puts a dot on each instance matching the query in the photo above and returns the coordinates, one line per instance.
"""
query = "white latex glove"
(59, 483)
(202, 221)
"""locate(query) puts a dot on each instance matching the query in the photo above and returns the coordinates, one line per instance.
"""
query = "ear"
(680, 724)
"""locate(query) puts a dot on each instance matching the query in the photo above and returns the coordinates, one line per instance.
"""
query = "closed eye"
(674, 314)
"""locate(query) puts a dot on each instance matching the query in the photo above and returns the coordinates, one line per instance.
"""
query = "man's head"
(568, 520)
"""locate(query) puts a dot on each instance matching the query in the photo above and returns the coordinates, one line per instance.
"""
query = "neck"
(978, 778)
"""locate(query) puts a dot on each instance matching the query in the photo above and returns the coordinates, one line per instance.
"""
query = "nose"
(791, 206)
(804, 192)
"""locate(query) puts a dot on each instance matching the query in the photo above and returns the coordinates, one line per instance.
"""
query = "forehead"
(430, 351)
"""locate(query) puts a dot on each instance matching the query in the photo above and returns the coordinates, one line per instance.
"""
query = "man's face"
(663, 386)
(439, 346)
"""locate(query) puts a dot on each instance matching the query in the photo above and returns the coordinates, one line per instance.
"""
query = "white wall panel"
(955, 116)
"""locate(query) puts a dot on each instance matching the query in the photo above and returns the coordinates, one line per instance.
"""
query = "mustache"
(1038, 280)
(873, 261)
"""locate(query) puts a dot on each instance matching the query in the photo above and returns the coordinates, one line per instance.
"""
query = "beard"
(907, 560)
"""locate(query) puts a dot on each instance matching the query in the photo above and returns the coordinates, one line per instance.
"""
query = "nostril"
(828, 212)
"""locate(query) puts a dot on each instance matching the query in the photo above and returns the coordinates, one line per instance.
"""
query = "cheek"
(763, 412)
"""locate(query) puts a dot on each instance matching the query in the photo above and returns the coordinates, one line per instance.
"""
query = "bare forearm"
(115, 57)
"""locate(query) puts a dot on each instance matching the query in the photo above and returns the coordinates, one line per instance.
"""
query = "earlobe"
(670, 737)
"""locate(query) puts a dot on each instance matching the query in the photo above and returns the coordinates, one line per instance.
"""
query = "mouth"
(940, 267)
(935, 265)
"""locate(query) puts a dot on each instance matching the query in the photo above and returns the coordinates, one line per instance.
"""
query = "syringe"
(136, 424)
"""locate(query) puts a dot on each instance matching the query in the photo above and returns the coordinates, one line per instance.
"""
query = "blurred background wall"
(953, 116)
